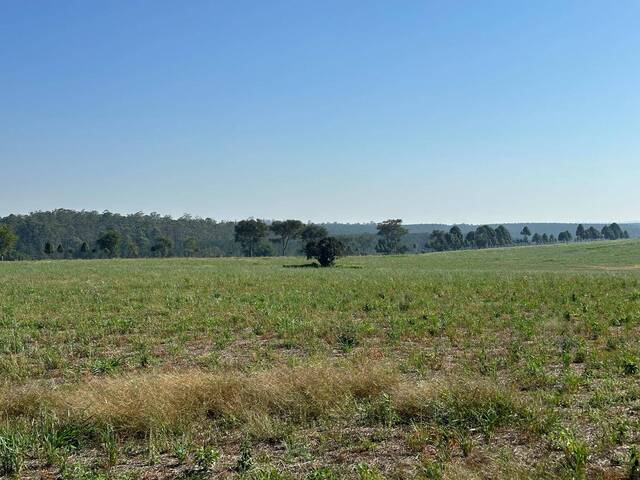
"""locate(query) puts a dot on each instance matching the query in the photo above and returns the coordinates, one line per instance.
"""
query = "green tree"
(580, 232)
(564, 236)
(485, 237)
(8, 239)
(60, 249)
(455, 238)
(536, 238)
(108, 242)
(264, 249)
(48, 248)
(190, 247)
(286, 230)
(438, 241)
(470, 239)
(503, 237)
(325, 250)
(162, 246)
(248, 233)
(526, 233)
(616, 231)
(390, 233)
(591, 233)
(313, 232)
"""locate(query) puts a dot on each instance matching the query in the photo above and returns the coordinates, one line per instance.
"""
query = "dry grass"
(135, 403)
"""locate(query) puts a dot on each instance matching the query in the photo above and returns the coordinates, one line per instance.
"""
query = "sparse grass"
(509, 363)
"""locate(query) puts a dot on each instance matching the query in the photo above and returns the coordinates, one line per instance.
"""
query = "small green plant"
(365, 472)
(110, 446)
(575, 452)
(11, 455)
(630, 366)
(206, 457)
(322, 473)
(634, 464)
(245, 460)
(379, 411)
(181, 450)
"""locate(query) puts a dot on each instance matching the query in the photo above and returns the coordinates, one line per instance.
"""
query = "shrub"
(325, 251)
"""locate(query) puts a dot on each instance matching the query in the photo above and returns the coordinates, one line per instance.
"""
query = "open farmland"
(501, 363)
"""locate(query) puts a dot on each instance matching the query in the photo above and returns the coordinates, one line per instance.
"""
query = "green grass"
(512, 363)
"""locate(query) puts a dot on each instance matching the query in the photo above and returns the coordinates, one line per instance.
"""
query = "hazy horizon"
(406, 221)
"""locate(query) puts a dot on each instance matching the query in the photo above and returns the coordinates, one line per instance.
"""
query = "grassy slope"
(410, 350)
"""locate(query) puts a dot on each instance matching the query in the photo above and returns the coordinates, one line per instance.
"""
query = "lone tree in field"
(390, 233)
(249, 233)
(325, 251)
(8, 239)
(526, 233)
(286, 230)
(162, 246)
(108, 242)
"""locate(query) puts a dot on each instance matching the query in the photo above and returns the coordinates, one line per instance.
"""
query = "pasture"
(501, 363)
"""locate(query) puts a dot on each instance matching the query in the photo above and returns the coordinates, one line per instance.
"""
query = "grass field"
(505, 363)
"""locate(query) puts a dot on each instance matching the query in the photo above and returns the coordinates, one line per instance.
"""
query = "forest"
(66, 234)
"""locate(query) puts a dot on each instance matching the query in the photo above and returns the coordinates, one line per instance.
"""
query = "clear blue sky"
(451, 111)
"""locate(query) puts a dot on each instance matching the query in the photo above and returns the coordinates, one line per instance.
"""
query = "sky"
(429, 111)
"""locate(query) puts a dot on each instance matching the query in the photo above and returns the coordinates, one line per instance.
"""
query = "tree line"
(70, 234)
(486, 237)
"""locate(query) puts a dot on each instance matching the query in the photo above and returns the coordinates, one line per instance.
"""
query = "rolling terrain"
(518, 362)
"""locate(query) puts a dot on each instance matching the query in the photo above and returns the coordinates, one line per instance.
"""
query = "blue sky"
(452, 111)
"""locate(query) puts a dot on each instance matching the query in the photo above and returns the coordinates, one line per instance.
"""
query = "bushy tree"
(325, 251)
(264, 249)
(485, 237)
(503, 237)
(455, 238)
(580, 232)
(8, 239)
(591, 233)
(390, 233)
(190, 247)
(470, 239)
(438, 241)
(162, 246)
(564, 236)
(249, 233)
(48, 248)
(537, 238)
(313, 232)
(286, 230)
(526, 233)
(109, 242)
